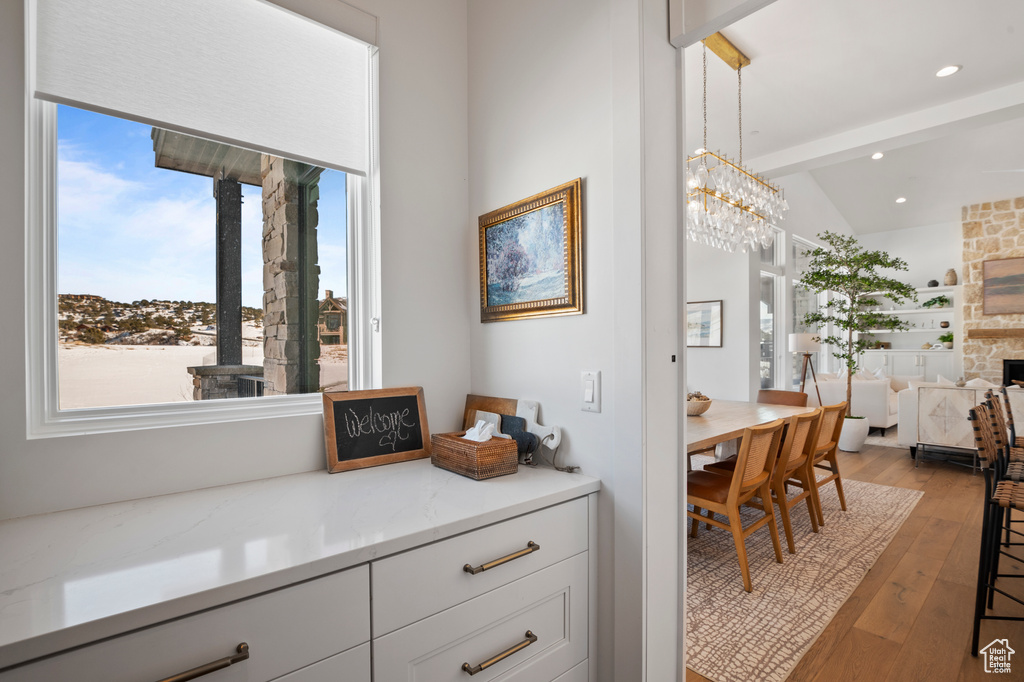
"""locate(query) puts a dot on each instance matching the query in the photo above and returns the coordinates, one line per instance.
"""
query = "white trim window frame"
(44, 417)
(776, 269)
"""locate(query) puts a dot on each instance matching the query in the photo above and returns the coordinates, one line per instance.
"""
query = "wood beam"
(726, 51)
(995, 333)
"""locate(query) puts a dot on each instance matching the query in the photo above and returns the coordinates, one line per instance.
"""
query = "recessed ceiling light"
(877, 155)
(901, 200)
(948, 70)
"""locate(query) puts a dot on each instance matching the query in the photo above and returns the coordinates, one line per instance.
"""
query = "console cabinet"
(505, 593)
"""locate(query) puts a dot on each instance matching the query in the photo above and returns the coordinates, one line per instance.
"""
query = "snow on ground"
(101, 375)
(106, 375)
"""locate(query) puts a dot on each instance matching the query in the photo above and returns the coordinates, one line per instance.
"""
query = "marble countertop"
(73, 577)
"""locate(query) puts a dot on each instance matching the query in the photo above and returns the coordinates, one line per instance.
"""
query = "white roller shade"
(238, 71)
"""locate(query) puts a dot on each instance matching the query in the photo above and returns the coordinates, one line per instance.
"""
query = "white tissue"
(481, 432)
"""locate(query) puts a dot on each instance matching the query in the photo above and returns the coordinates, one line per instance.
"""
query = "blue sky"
(129, 231)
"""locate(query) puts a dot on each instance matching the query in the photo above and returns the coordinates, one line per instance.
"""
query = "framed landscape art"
(1003, 285)
(531, 257)
(704, 324)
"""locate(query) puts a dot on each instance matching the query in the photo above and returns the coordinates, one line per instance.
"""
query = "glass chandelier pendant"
(728, 206)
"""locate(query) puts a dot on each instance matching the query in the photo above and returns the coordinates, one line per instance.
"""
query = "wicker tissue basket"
(496, 457)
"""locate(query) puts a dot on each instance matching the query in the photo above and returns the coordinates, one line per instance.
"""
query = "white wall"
(929, 251)
(423, 104)
(518, 149)
(558, 91)
(810, 210)
(724, 373)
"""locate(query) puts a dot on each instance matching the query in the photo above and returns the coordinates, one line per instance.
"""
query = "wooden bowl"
(695, 407)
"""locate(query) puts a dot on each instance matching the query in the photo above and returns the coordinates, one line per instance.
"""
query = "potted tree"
(851, 273)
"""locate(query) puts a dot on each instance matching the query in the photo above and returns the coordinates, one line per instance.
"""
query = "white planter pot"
(855, 432)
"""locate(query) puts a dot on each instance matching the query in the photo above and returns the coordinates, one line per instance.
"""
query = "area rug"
(735, 636)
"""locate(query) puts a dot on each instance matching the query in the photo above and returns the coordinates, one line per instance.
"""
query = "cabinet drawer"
(285, 630)
(551, 604)
(350, 666)
(423, 581)
(580, 673)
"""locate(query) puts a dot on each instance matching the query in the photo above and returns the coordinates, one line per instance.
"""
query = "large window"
(213, 233)
(166, 239)
(772, 330)
(803, 302)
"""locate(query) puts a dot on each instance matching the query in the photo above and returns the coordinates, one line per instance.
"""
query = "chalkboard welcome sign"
(368, 428)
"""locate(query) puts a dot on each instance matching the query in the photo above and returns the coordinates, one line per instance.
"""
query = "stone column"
(992, 231)
(290, 276)
(228, 194)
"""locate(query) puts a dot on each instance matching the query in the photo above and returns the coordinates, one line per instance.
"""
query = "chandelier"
(728, 206)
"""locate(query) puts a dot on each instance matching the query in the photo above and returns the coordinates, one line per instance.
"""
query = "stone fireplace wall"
(991, 231)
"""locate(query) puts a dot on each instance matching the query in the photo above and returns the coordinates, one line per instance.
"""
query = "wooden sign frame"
(383, 423)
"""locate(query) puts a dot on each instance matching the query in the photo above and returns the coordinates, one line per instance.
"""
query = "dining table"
(725, 421)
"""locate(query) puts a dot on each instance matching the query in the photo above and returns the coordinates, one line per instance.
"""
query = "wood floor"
(911, 617)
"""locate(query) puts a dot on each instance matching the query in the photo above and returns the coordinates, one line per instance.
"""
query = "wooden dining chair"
(794, 461)
(823, 457)
(772, 396)
(723, 495)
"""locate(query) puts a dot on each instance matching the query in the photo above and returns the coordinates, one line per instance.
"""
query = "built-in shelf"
(915, 311)
(909, 350)
(936, 330)
(922, 290)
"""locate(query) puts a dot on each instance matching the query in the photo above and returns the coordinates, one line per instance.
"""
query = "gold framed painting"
(531, 257)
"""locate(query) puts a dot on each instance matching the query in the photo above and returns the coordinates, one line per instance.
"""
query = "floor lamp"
(807, 344)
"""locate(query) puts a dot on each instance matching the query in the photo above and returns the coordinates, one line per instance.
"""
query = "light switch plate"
(590, 391)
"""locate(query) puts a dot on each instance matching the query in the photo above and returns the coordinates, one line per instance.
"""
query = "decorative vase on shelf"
(944, 324)
(933, 282)
(950, 279)
(960, 383)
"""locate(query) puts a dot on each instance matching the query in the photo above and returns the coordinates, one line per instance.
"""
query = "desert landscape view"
(112, 353)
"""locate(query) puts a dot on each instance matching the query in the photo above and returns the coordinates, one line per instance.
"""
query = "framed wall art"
(1003, 285)
(704, 324)
(531, 257)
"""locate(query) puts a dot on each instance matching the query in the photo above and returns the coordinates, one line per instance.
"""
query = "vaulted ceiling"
(833, 81)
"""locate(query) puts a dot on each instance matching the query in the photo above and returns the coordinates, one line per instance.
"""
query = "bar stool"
(1000, 497)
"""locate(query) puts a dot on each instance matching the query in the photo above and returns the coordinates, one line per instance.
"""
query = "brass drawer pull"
(243, 653)
(474, 669)
(531, 547)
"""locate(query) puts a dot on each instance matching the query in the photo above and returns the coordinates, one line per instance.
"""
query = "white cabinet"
(927, 364)
(934, 363)
(286, 631)
(527, 542)
(524, 617)
(529, 630)
(416, 584)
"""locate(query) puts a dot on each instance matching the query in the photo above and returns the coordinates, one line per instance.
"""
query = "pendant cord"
(705, 99)
(739, 106)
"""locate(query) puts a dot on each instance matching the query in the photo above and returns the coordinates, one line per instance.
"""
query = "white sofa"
(873, 399)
